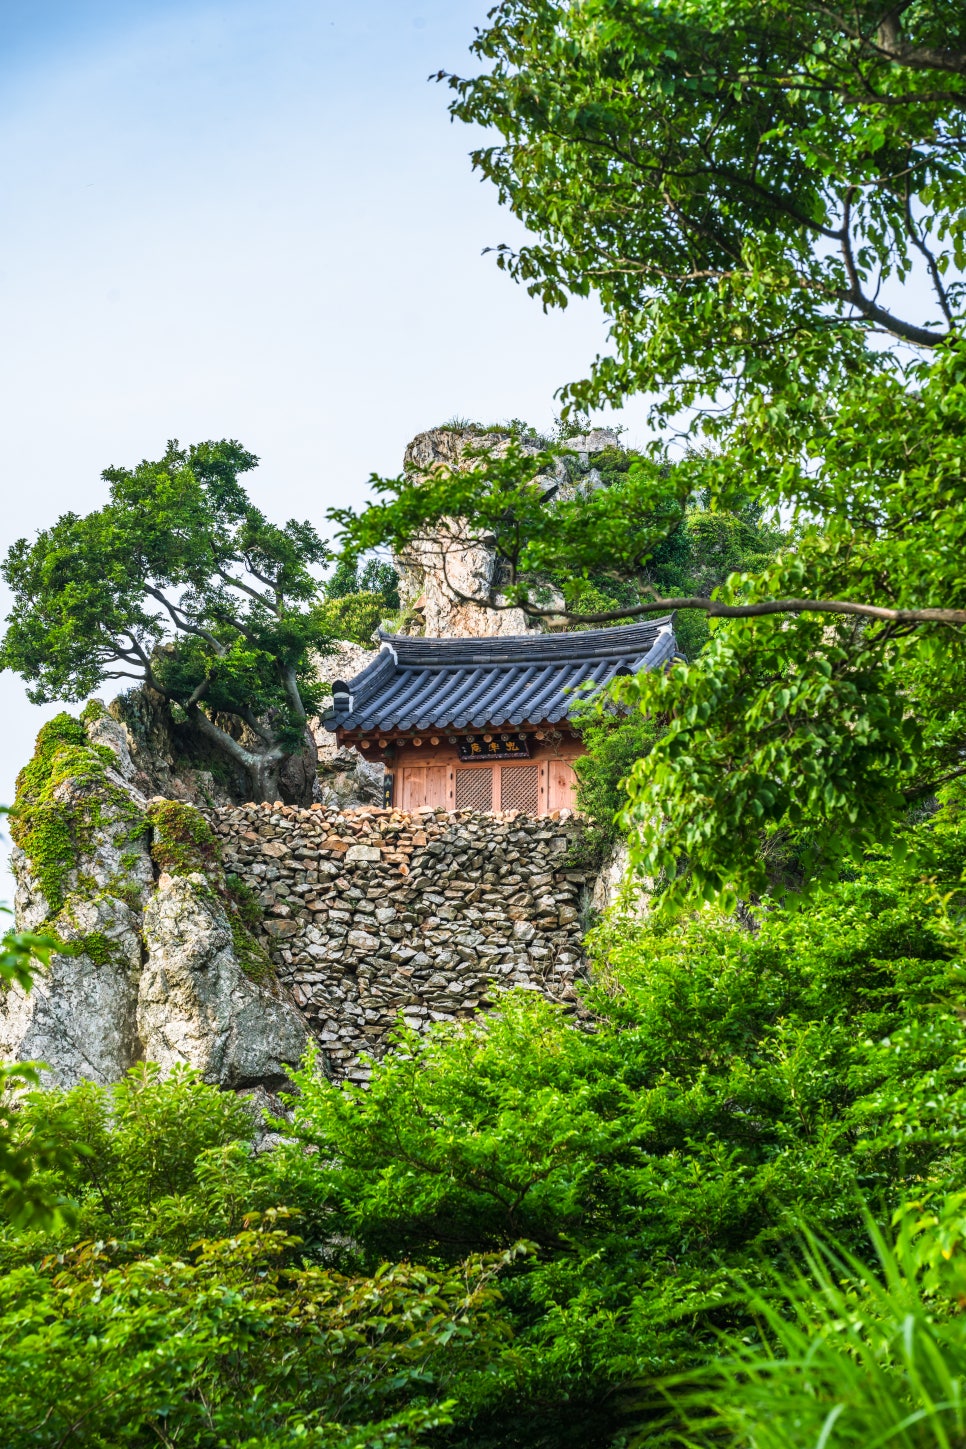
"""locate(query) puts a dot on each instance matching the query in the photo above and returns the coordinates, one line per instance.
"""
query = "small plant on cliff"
(182, 841)
(179, 582)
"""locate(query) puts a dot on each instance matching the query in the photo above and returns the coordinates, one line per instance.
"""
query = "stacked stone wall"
(371, 915)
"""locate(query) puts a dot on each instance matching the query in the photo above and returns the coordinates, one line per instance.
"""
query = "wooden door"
(561, 785)
(422, 785)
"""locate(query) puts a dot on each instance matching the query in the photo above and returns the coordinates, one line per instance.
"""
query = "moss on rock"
(55, 826)
(182, 841)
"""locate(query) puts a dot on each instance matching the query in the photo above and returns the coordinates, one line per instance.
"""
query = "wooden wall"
(435, 776)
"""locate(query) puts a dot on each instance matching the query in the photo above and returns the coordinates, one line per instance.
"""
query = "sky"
(249, 219)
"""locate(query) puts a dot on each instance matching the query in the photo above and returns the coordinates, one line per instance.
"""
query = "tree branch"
(180, 621)
(715, 609)
(290, 682)
(854, 295)
(234, 623)
(917, 792)
(920, 245)
(892, 45)
(247, 589)
(249, 759)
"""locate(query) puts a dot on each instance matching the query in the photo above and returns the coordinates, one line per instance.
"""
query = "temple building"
(486, 723)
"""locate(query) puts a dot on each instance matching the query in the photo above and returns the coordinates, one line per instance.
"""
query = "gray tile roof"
(523, 679)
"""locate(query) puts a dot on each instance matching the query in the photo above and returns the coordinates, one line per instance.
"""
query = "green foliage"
(178, 581)
(822, 727)
(182, 841)
(246, 901)
(147, 1172)
(733, 1082)
(129, 1324)
(371, 576)
(848, 1353)
(234, 1347)
(354, 616)
(358, 596)
(741, 184)
(605, 549)
(615, 741)
(658, 1167)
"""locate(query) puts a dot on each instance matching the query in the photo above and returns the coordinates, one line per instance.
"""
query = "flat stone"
(282, 928)
(362, 941)
(363, 852)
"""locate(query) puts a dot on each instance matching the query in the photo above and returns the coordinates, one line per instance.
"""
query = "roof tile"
(421, 684)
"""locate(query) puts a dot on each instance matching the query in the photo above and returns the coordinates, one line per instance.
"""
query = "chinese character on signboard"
(496, 749)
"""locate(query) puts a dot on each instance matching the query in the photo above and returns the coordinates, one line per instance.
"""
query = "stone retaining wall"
(372, 914)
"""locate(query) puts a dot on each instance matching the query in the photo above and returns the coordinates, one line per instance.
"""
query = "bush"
(733, 1082)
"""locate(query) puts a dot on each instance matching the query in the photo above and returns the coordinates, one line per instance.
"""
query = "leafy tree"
(235, 1346)
(757, 195)
(178, 582)
(358, 597)
(755, 191)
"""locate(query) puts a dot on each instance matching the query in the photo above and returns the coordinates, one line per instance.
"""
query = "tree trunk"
(273, 772)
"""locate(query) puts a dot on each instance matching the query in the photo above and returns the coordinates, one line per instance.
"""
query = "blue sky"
(249, 219)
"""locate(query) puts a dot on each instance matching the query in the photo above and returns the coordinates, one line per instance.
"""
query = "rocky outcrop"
(80, 1017)
(87, 885)
(195, 1003)
(173, 760)
(134, 978)
(619, 889)
(226, 943)
(447, 580)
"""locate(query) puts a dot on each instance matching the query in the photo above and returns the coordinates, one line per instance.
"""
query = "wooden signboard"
(481, 749)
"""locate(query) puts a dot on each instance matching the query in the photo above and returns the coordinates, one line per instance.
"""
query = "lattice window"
(474, 789)
(519, 788)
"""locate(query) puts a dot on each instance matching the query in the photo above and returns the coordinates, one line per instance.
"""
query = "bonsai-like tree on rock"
(180, 583)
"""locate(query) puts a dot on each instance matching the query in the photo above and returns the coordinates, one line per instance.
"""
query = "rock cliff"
(228, 942)
(156, 960)
(438, 575)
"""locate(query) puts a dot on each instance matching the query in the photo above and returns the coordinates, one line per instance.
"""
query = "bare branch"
(715, 609)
